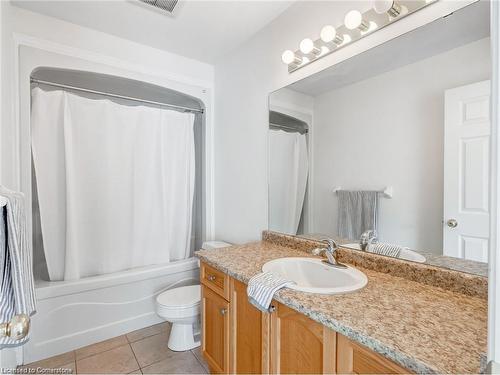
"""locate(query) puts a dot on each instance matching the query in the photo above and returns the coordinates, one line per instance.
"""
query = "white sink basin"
(313, 276)
(405, 253)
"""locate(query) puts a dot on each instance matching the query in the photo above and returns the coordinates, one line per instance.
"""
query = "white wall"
(243, 81)
(388, 130)
(119, 54)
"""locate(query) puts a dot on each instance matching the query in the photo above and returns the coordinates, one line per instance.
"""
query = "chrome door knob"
(452, 223)
(17, 328)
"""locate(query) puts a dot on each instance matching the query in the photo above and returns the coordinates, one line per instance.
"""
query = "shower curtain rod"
(185, 109)
(287, 127)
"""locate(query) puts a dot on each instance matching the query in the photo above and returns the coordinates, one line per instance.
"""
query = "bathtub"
(72, 314)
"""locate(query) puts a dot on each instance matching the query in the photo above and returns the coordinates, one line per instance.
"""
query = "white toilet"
(181, 307)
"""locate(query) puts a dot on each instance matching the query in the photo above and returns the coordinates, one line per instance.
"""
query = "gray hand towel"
(357, 213)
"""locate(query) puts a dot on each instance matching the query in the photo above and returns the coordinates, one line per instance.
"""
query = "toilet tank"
(209, 245)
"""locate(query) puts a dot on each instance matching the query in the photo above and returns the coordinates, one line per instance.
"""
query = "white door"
(466, 172)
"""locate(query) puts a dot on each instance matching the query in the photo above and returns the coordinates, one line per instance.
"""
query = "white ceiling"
(462, 27)
(202, 30)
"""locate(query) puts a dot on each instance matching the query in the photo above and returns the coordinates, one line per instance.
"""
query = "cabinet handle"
(223, 311)
(272, 308)
(211, 278)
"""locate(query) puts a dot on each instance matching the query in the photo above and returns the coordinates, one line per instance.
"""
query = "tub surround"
(72, 314)
(424, 318)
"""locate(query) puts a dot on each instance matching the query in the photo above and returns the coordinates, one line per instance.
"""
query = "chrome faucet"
(331, 253)
(367, 238)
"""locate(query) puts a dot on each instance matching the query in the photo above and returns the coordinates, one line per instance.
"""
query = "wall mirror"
(394, 140)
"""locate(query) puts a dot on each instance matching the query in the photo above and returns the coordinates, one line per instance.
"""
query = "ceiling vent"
(165, 5)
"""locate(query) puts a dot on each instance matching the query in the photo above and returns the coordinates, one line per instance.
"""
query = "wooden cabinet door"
(249, 334)
(300, 345)
(215, 330)
(353, 358)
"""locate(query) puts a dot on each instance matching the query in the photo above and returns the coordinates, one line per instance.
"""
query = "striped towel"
(17, 287)
(261, 289)
(385, 249)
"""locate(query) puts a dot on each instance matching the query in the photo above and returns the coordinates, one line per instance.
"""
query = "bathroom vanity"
(409, 317)
(238, 338)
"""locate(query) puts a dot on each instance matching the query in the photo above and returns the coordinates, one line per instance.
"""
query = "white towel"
(261, 289)
(17, 287)
(385, 249)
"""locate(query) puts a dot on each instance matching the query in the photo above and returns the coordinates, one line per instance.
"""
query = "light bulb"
(354, 20)
(329, 34)
(289, 57)
(387, 6)
(306, 46)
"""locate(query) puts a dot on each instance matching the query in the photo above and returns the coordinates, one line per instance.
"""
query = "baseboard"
(80, 339)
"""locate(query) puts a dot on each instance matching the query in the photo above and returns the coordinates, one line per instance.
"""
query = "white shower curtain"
(288, 179)
(115, 183)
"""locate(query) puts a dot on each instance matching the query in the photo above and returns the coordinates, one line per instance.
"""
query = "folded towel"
(261, 289)
(385, 249)
(16, 288)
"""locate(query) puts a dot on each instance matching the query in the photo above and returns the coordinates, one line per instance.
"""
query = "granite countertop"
(424, 328)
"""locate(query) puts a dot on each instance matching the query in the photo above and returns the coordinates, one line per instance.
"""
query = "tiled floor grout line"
(104, 351)
(137, 360)
(195, 356)
(144, 338)
(114, 347)
(130, 343)
(152, 363)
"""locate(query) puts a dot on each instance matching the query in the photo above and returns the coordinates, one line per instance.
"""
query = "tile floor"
(143, 351)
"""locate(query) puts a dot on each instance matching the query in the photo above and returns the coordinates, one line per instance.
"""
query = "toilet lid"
(185, 296)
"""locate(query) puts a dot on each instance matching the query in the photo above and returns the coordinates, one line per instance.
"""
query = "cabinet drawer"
(215, 280)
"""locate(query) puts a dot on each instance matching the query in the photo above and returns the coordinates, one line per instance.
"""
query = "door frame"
(494, 253)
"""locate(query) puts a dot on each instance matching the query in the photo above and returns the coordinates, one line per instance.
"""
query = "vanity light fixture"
(391, 7)
(356, 25)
